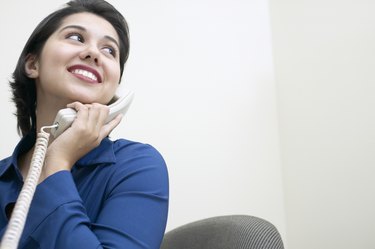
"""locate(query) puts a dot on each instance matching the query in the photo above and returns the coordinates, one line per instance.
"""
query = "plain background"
(324, 66)
(258, 107)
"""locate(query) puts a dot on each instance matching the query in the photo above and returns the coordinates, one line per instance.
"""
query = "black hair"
(23, 87)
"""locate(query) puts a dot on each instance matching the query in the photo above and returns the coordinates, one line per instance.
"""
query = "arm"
(139, 197)
(85, 133)
(133, 214)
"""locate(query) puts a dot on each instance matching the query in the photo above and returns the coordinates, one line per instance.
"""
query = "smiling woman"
(93, 192)
(87, 52)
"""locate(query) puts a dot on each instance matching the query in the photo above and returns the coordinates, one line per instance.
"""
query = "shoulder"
(129, 147)
(5, 164)
(5, 161)
(126, 150)
(140, 165)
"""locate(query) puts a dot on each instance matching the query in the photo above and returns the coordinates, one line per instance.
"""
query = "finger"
(110, 126)
(76, 105)
(82, 111)
(98, 114)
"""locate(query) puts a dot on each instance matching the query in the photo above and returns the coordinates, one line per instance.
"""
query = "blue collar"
(102, 154)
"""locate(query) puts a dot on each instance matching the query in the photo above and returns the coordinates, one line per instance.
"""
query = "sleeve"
(132, 216)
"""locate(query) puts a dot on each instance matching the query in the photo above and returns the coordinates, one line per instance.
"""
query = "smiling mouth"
(85, 74)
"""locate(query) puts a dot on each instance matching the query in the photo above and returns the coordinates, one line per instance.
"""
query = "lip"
(88, 69)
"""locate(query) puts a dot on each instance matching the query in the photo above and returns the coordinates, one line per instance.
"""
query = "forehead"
(92, 23)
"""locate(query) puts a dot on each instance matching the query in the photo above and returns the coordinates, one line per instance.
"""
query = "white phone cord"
(18, 218)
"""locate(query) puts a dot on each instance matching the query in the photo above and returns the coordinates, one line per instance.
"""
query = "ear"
(32, 66)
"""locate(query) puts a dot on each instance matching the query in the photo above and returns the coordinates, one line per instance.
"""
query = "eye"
(110, 50)
(76, 37)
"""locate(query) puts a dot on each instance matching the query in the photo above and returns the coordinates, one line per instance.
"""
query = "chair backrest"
(224, 232)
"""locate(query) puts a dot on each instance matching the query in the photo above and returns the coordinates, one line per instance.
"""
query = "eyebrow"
(85, 30)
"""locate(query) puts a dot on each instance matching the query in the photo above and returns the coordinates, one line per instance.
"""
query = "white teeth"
(85, 73)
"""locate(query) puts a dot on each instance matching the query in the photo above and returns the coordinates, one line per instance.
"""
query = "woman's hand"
(86, 133)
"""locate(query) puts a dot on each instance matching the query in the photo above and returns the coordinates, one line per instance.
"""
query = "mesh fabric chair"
(224, 232)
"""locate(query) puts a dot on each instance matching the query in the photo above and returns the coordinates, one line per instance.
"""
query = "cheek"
(56, 51)
(115, 73)
(51, 58)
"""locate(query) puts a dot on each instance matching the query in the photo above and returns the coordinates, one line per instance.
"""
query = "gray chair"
(224, 232)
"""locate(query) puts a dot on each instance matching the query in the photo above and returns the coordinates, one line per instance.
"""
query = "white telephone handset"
(63, 120)
(120, 104)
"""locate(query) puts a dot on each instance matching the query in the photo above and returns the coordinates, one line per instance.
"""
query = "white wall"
(205, 97)
(324, 62)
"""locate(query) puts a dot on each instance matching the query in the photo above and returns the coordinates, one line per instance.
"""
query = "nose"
(91, 53)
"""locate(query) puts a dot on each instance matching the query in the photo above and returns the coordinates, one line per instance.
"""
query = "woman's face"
(79, 62)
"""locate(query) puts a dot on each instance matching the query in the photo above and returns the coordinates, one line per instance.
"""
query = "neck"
(46, 111)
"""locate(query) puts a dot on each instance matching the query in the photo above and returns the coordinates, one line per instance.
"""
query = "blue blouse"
(116, 196)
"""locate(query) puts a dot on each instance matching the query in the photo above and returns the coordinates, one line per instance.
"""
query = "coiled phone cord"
(18, 218)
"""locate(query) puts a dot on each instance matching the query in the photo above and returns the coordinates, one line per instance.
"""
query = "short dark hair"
(23, 87)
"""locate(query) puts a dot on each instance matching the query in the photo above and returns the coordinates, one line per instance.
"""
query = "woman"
(92, 192)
